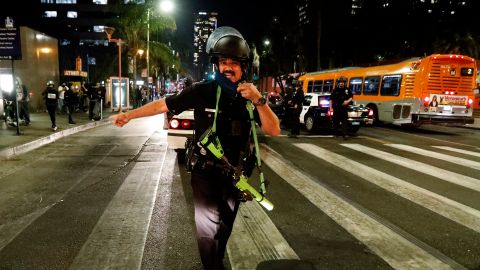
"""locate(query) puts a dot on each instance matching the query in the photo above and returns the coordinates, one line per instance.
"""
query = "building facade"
(204, 24)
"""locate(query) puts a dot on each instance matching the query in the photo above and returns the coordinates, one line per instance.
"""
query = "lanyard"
(263, 189)
(214, 126)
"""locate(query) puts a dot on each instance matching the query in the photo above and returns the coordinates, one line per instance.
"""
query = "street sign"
(10, 46)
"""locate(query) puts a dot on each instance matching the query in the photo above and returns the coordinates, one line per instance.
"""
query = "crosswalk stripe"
(461, 151)
(256, 239)
(118, 239)
(462, 214)
(458, 179)
(389, 245)
(457, 160)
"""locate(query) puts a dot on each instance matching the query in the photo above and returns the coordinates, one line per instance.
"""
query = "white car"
(316, 113)
(180, 127)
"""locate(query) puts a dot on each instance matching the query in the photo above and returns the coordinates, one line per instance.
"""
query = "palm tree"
(134, 28)
(458, 43)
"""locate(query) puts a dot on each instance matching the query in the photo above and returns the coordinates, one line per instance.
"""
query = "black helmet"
(227, 42)
(342, 79)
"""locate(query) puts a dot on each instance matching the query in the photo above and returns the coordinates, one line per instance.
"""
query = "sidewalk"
(39, 132)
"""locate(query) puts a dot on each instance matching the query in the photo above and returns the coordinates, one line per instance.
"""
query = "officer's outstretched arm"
(270, 122)
(152, 108)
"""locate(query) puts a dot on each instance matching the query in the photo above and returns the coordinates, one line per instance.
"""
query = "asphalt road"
(388, 198)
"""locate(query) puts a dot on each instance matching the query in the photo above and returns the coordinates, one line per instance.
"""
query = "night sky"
(250, 17)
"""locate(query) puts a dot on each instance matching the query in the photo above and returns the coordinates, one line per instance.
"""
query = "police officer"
(296, 104)
(341, 98)
(215, 197)
(51, 101)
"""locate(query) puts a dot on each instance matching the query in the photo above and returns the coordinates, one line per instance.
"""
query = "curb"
(24, 148)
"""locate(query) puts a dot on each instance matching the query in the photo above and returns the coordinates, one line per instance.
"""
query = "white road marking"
(118, 239)
(255, 239)
(461, 151)
(457, 160)
(383, 241)
(455, 178)
(457, 212)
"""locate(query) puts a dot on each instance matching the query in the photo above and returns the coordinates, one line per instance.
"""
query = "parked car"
(276, 103)
(316, 113)
(180, 127)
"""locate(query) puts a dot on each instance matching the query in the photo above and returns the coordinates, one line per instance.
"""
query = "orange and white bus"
(435, 89)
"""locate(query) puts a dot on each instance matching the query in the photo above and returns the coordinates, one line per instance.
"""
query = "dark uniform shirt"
(339, 96)
(51, 96)
(232, 125)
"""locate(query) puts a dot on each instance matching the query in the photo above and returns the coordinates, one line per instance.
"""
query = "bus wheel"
(374, 109)
(310, 123)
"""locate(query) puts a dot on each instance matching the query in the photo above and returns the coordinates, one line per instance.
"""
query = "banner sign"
(449, 100)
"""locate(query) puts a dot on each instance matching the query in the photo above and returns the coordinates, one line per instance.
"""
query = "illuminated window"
(6, 82)
(72, 14)
(100, 2)
(47, 1)
(50, 14)
(99, 28)
(66, 1)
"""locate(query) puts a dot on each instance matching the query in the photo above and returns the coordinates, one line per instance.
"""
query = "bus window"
(391, 85)
(371, 85)
(327, 86)
(356, 85)
(310, 86)
(317, 86)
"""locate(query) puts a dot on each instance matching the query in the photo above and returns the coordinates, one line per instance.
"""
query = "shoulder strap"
(263, 189)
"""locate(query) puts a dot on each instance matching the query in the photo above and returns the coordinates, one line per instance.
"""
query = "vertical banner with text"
(10, 46)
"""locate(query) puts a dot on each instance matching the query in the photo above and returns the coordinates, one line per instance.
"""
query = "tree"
(458, 43)
(134, 28)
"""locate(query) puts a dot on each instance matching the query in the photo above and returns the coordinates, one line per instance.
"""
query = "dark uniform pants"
(295, 121)
(340, 115)
(51, 108)
(216, 205)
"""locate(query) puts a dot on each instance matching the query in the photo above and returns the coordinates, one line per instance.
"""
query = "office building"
(205, 23)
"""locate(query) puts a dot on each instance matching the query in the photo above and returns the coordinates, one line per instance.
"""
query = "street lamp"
(166, 6)
(140, 52)
(109, 31)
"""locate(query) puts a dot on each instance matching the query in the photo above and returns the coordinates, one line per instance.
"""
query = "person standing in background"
(70, 99)
(23, 102)
(61, 97)
(340, 99)
(296, 109)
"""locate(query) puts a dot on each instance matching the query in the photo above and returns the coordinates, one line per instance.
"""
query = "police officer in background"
(296, 105)
(216, 199)
(341, 98)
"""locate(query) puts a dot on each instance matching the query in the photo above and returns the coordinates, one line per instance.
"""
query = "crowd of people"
(66, 100)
